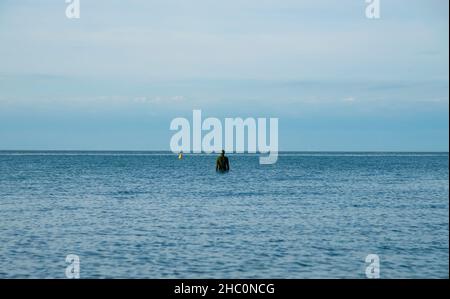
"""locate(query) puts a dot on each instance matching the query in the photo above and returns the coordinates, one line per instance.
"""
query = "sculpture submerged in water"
(222, 163)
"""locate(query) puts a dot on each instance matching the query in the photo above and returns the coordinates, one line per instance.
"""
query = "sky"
(115, 78)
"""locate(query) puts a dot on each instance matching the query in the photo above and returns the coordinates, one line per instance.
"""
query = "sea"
(152, 215)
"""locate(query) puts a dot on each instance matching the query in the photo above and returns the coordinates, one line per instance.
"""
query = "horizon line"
(283, 151)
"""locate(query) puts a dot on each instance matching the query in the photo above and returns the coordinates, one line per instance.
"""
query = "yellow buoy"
(180, 156)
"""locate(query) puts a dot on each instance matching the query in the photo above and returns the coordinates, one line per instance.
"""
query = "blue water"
(149, 215)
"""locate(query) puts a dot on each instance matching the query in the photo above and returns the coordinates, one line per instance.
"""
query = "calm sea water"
(149, 215)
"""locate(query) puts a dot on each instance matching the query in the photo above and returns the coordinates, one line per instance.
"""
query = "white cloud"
(349, 99)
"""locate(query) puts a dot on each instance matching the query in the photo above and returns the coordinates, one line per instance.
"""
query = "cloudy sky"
(116, 77)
